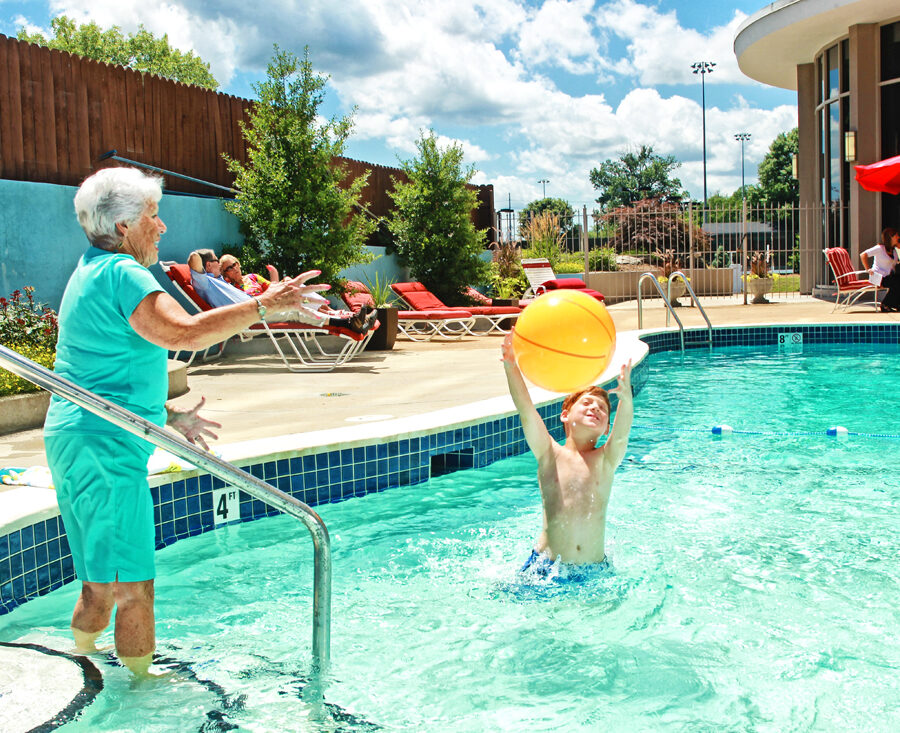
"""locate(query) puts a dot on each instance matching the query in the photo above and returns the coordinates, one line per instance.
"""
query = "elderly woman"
(116, 325)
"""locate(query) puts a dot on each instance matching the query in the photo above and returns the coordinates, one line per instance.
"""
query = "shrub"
(30, 329)
(602, 260)
(10, 383)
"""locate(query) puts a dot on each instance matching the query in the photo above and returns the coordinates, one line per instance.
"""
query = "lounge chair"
(846, 280)
(415, 325)
(309, 355)
(541, 278)
(420, 298)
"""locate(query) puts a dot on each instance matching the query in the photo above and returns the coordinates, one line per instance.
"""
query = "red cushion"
(356, 295)
(478, 297)
(418, 296)
(181, 274)
(564, 283)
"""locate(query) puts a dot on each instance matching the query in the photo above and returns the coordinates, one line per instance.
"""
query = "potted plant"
(758, 281)
(671, 263)
(386, 302)
(506, 278)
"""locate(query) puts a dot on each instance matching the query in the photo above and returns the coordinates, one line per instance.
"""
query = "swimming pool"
(755, 581)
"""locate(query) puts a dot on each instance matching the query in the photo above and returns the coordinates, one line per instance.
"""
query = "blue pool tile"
(359, 455)
(256, 470)
(321, 461)
(309, 464)
(204, 482)
(5, 570)
(40, 533)
(193, 505)
(206, 500)
(192, 486)
(165, 493)
(166, 512)
(181, 526)
(346, 457)
(43, 577)
(56, 572)
(4, 547)
(15, 543)
(178, 491)
(283, 467)
(270, 470)
(41, 554)
(381, 450)
(295, 466)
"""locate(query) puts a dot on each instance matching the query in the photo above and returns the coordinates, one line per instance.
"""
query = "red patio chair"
(848, 284)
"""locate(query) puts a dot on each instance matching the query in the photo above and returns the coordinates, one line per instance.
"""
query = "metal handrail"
(136, 425)
(662, 295)
(687, 285)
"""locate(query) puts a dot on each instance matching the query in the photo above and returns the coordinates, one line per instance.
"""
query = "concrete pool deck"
(254, 397)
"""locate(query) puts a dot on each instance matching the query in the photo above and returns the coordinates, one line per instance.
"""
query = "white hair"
(112, 196)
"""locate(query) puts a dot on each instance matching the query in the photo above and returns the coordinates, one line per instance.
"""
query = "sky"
(533, 90)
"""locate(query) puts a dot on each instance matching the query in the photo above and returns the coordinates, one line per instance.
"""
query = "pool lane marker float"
(723, 430)
(36, 682)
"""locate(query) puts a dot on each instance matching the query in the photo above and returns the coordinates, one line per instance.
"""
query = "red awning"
(881, 176)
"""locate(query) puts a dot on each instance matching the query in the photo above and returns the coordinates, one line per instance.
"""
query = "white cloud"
(660, 50)
(560, 33)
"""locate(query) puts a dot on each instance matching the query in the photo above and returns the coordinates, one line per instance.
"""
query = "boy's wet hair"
(593, 390)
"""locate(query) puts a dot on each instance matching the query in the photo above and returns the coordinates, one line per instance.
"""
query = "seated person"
(251, 283)
(884, 269)
(206, 277)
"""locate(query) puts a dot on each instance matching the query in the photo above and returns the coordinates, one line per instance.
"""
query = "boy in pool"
(576, 477)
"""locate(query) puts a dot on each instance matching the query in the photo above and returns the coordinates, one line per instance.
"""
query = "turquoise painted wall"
(40, 240)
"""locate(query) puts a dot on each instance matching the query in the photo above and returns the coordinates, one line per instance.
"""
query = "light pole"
(703, 68)
(743, 137)
(544, 181)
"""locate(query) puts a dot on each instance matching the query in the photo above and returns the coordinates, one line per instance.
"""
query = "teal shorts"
(106, 505)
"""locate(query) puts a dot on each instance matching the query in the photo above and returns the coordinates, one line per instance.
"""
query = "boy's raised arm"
(536, 434)
(618, 439)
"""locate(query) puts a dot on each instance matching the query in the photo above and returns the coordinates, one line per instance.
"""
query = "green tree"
(777, 185)
(636, 176)
(140, 51)
(432, 221)
(298, 206)
(561, 208)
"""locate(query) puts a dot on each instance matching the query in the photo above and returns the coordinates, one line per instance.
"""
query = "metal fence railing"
(721, 249)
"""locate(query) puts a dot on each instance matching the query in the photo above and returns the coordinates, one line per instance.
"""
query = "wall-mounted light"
(795, 166)
(850, 145)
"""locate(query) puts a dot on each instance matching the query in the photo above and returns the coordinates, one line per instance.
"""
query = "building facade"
(843, 59)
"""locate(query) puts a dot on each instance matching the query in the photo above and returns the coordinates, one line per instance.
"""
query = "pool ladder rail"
(136, 425)
(667, 298)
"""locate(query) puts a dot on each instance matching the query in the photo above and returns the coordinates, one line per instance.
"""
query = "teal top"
(100, 351)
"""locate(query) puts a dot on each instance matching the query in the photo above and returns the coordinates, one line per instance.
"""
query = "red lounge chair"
(422, 299)
(541, 278)
(308, 352)
(415, 325)
(846, 280)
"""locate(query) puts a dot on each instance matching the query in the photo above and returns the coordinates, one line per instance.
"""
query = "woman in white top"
(884, 269)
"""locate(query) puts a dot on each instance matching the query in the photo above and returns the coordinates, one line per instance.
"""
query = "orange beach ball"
(564, 340)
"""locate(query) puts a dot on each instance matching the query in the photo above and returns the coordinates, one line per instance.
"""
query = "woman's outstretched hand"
(191, 424)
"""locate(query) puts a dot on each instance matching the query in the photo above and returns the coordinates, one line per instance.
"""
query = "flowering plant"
(671, 262)
(759, 266)
(30, 329)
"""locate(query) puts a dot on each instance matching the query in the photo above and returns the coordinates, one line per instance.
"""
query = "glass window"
(890, 51)
(833, 75)
(834, 130)
(845, 65)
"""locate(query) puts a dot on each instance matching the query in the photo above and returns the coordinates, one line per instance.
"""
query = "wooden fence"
(59, 113)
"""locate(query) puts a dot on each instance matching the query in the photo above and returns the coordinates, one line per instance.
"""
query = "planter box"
(383, 339)
(23, 411)
(619, 286)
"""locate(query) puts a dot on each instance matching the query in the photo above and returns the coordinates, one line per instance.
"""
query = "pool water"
(755, 583)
